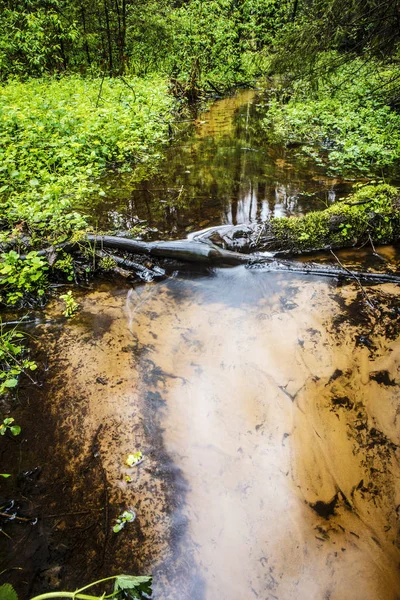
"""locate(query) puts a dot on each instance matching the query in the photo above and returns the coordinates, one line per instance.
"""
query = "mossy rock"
(373, 211)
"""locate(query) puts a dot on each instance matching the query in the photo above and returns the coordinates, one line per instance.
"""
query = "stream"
(265, 404)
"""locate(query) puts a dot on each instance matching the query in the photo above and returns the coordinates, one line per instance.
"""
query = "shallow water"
(269, 433)
(266, 406)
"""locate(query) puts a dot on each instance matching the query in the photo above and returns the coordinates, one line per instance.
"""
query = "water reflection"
(220, 169)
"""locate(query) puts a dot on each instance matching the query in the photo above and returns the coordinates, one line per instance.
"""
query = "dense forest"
(89, 87)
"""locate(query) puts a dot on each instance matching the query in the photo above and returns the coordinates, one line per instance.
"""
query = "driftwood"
(311, 268)
(185, 250)
(201, 250)
(143, 272)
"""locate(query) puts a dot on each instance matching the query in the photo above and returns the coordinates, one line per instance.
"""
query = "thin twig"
(13, 517)
(374, 251)
(20, 366)
(261, 231)
(364, 293)
(129, 86)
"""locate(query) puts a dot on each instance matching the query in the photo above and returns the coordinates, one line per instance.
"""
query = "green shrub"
(347, 117)
(21, 277)
(57, 135)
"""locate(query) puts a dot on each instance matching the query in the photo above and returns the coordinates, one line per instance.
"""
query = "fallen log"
(185, 250)
(199, 252)
(209, 254)
(287, 266)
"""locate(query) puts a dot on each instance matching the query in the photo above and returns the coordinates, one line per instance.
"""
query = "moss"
(373, 210)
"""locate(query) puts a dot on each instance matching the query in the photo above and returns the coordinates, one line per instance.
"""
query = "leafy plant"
(12, 362)
(346, 122)
(21, 277)
(134, 459)
(128, 516)
(7, 425)
(65, 264)
(71, 306)
(127, 587)
(107, 263)
(57, 136)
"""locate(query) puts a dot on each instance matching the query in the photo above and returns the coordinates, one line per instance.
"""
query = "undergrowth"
(344, 119)
(57, 135)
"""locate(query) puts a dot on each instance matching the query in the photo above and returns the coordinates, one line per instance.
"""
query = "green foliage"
(7, 592)
(21, 277)
(224, 38)
(107, 263)
(7, 425)
(128, 516)
(366, 28)
(65, 265)
(12, 362)
(346, 117)
(71, 306)
(58, 135)
(33, 37)
(133, 587)
(221, 40)
(126, 587)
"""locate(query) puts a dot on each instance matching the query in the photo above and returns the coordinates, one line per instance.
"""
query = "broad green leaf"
(133, 586)
(11, 383)
(7, 592)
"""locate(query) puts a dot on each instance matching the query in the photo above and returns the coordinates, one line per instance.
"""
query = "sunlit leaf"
(133, 459)
(133, 587)
(11, 383)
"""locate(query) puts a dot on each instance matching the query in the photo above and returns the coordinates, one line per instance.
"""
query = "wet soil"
(266, 406)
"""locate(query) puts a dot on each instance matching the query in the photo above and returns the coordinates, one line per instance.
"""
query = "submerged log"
(312, 268)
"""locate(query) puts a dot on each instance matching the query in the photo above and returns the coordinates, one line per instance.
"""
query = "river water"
(265, 405)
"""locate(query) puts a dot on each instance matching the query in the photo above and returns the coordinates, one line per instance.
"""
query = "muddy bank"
(266, 408)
